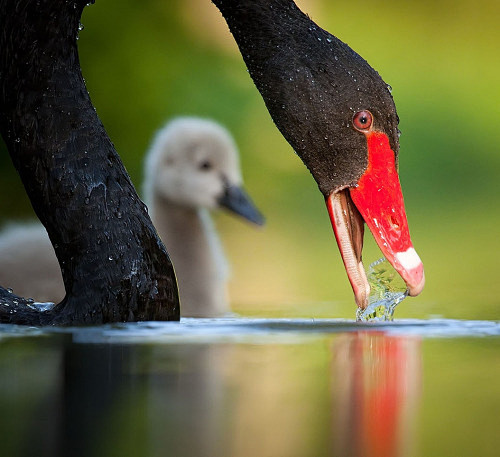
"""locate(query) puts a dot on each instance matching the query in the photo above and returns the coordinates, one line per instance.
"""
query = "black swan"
(339, 117)
(330, 105)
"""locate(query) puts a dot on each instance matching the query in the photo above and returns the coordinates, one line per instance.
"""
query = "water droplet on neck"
(41, 306)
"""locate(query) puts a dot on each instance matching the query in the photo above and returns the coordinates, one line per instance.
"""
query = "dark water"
(252, 387)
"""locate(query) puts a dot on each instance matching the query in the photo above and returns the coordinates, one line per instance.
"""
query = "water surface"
(247, 387)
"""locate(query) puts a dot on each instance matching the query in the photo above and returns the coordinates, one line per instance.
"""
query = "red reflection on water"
(377, 386)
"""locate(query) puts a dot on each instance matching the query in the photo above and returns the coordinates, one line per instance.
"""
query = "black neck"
(265, 30)
(114, 266)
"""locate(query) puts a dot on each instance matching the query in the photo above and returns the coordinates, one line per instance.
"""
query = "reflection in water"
(377, 386)
(187, 403)
(61, 398)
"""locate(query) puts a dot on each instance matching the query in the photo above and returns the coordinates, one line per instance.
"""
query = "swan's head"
(194, 163)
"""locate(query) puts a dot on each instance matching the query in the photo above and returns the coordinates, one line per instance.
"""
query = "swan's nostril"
(394, 221)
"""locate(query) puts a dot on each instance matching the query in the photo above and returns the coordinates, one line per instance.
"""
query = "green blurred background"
(147, 61)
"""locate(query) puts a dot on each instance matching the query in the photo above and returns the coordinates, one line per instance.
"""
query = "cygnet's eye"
(205, 165)
(362, 120)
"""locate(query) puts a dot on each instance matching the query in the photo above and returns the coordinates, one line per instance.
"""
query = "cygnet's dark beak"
(237, 200)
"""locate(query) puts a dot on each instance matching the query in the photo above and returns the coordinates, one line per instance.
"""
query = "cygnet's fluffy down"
(191, 167)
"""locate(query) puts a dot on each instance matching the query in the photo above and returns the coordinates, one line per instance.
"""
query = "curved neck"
(257, 23)
(105, 243)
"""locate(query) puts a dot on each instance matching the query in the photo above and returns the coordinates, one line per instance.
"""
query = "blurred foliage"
(145, 62)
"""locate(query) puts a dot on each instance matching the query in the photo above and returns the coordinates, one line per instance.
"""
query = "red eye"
(362, 120)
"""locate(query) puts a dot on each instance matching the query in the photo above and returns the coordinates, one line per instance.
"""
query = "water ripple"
(255, 330)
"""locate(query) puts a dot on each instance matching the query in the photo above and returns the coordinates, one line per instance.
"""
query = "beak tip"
(260, 220)
(411, 270)
(236, 200)
(416, 287)
(362, 303)
(362, 293)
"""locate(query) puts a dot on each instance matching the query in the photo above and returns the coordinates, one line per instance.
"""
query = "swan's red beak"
(377, 200)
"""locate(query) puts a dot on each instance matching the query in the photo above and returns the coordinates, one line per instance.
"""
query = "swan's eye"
(205, 165)
(362, 120)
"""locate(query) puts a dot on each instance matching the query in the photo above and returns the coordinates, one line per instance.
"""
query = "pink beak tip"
(417, 285)
(412, 271)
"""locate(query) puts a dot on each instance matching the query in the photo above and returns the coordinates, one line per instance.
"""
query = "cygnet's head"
(194, 163)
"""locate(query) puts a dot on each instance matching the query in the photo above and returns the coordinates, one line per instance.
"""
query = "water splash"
(41, 306)
(387, 291)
